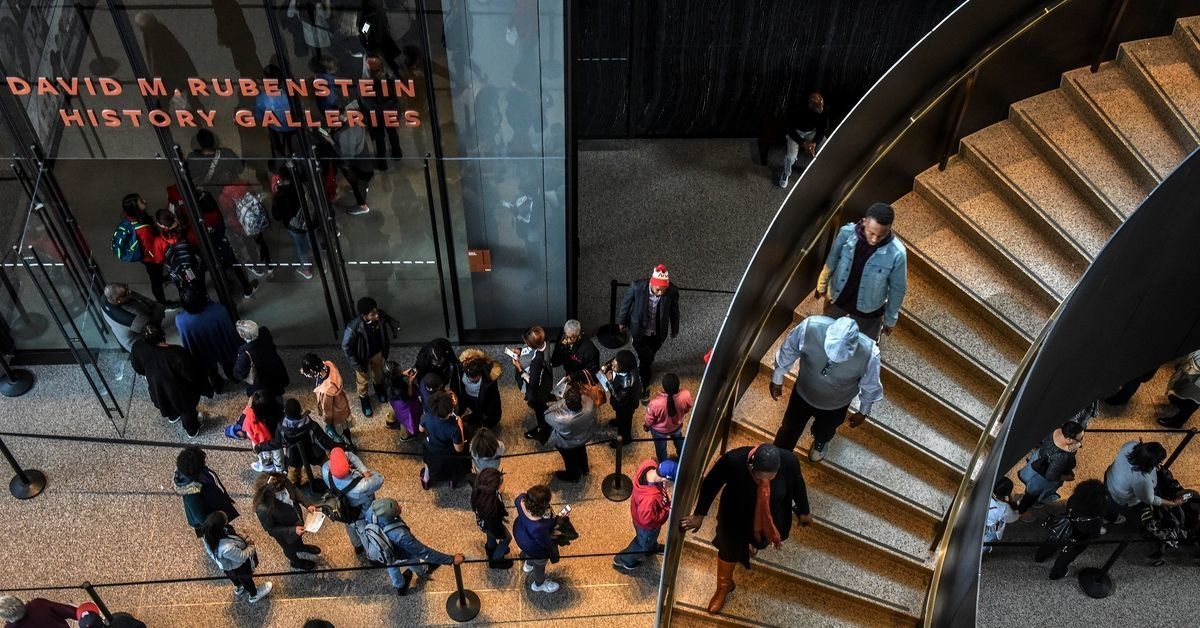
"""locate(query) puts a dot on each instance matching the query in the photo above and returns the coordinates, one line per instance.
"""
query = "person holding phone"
(533, 531)
(535, 378)
(444, 442)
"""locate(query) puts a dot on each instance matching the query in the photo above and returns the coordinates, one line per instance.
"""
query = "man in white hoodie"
(838, 366)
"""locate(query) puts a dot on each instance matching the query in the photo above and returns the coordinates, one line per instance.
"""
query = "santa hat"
(339, 466)
(660, 278)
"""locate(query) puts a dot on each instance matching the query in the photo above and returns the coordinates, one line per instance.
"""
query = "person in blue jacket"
(866, 273)
(412, 556)
(533, 531)
(207, 332)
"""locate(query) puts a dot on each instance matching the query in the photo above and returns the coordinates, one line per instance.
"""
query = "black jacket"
(297, 436)
(541, 380)
(280, 519)
(272, 373)
(637, 300)
(437, 356)
(355, 343)
(176, 379)
(576, 358)
(735, 516)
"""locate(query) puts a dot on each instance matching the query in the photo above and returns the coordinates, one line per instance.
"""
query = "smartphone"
(510, 353)
(566, 510)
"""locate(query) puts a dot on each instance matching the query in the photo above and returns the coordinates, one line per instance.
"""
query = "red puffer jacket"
(254, 429)
(650, 503)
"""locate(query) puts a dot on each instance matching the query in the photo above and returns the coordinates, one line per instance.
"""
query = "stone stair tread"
(833, 498)
(920, 226)
(764, 598)
(925, 421)
(1112, 90)
(950, 317)
(1187, 30)
(899, 469)
(820, 554)
(1166, 61)
(1064, 129)
(928, 365)
(1020, 237)
(1006, 150)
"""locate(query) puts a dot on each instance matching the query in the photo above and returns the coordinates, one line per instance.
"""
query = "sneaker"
(620, 565)
(549, 586)
(358, 210)
(239, 591)
(1103, 530)
(264, 590)
(505, 563)
(532, 434)
(306, 565)
(430, 568)
(407, 576)
(392, 425)
(659, 549)
(1168, 423)
(304, 273)
(192, 435)
(816, 453)
(527, 567)
(171, 306)
(365, 402)
(1028, 517)
(249, 294)
(258, 466)
(782, 182)
(253, 270)
(172, 419)
(1064, 574)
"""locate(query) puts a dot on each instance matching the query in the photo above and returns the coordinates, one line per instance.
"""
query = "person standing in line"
(491, 516)
(437, 356)
(258, 363)
(201, 489)
(807, 128)
(284, 139)
(378, 75)
(412, 556)
(576, 354)
(1001, 512)
(287, 208)
(624, 392)
(127, 313)
(572, 420)
(444, 442)
(479, 390)
(134, 217)
(405, 401)
(1051, 464)
(1132, 478)
(665, 415)
(207, 332)
(333, 406)
(89, 616)
(650, 506)
(213, 167)
(866, 273)
(36, 613)
(234, 554)
(345, 474)
(1085, 507)
(535, 378)
(486, 450)
(1183, 391)
(181, 259)
(304, 441)
(648, 308)
(760, 487)
(260, 421)
(366, 342)
(175, 379)
(533, 531)
(837, 364)
(280, 509)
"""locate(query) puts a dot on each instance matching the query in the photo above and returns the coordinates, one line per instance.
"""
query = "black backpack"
(183, 266)
(340, 509)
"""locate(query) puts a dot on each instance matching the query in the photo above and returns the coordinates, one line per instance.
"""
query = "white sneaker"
(526, 567)
(264, 590)
(239, 591)
(259, 468)
(304, 273)
(549, 586)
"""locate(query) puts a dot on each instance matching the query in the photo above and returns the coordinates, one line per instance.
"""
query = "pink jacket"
(656, 412)
(332, 404)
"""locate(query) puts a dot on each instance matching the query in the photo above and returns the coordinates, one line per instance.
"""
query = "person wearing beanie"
(366, 342)
(346, 475)
(304, 442)
(650, 506)
(760, 487)
(838, 366)
(36, 613)
(88, 615)
(648, 310)
(412, 556)
(869, 249)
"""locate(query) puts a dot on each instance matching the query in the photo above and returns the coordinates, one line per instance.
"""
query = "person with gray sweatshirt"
(234, 554)
(573, 420)
(1132, 478)
(345, 474)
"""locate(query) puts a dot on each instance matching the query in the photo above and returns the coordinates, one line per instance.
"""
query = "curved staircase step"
(1161, 66)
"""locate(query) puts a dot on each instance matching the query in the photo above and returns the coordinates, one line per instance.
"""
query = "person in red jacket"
(650, 506)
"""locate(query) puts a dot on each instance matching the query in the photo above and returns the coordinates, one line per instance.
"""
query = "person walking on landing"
(837, 363)
(649, 306)
(807, 128)
(866, 273)
(763, 486)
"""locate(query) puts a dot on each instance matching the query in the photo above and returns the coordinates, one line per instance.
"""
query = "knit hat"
(339, 466)
(841, 339)
(385, 508)
(659, 277)
(88, 615)
(668, 469)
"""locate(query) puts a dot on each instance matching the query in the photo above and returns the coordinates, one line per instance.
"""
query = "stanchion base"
(104, 66)
(617, 487)
(34, 327)
(18, 385)
(611, 336)
(1095, 583)
(463, 612)
(21, 490)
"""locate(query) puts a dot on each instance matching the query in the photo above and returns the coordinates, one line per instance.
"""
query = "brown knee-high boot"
(725, 585)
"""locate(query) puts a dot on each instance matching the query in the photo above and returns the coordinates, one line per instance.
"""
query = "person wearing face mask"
(760, 487)
(577, 355)
(807, 128)
(478, 392)
(866, 273)
(535, 378)
(837, 365)
(648, 308)
(1051, 464)
(366, 342)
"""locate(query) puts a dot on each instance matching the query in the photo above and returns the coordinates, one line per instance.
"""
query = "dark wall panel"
(602, 36)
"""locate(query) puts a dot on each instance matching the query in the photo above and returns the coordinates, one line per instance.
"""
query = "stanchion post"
(14, 382)
(1095, 582)
(1187, 438)
(617, 486)
(27, 483)
(463, 604)
(91, 591)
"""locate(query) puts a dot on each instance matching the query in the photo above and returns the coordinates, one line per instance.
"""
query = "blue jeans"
(660, 443)
(300, 240)
(644, 542)
(497, 548)
(395, 571)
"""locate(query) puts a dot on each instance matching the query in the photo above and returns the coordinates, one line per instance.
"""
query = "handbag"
(252, 376)
(592, 389)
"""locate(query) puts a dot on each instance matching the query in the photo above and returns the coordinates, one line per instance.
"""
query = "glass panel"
(20, 305)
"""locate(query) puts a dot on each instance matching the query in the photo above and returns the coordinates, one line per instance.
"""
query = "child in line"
(665, 415)
(486, 450)
(400, 387)
(1001, 512)
(259, 421)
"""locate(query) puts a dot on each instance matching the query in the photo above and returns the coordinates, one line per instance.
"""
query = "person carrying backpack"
(134, 241)
(181, 259)
(304, 441)
(387, 540)
(234, 554)
(353, 485)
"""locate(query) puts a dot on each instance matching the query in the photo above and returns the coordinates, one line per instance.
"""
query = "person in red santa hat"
(650, 307)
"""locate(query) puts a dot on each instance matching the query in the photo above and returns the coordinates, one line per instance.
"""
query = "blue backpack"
(125, 243)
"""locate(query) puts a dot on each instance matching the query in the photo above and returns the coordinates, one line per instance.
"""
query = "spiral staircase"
(995, 242)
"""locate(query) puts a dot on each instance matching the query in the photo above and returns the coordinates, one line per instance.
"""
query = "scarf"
(764, 525)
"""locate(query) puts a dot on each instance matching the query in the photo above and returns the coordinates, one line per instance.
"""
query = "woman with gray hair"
(576, 354)
(258, 362)
(35, 612)
(128, 312)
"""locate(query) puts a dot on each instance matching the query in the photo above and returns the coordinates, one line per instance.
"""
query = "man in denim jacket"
(866, 273)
